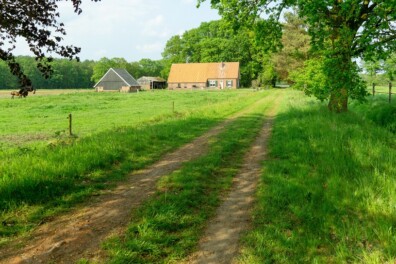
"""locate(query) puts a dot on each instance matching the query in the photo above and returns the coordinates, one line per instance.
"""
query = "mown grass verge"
(37, 183)
(167, 227)
(327, 193)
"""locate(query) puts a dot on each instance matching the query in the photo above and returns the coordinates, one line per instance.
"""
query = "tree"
(390, 67)
(104, 64)
(311, 78)
(372, 68)
(295, 47)
(341, 30)
(36, 22)
(7, 80)
(66, 74)
(148, 67)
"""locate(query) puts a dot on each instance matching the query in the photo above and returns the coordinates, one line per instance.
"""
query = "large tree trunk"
(340, 75)
(338, 102)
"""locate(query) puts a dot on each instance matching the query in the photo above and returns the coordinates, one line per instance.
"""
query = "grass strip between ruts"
(167, 227)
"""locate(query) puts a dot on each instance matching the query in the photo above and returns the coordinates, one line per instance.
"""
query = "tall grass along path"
(221, 239)
(78, 234)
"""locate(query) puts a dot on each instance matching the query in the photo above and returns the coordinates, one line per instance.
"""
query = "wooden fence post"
(70, 124)
(390, 92)
(373, 89)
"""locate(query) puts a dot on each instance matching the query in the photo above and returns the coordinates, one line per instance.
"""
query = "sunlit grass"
(167, 228)
(380, 89)
(327, 193)
(38, 180)
(41, 118)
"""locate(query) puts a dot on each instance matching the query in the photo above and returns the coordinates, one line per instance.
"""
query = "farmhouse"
(149, 83)
(117, 80)
(222, 75)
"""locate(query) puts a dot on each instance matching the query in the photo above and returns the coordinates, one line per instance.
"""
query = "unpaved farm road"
(220, 243)
(78, 234)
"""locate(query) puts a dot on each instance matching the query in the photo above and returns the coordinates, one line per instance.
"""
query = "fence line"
(389, 92)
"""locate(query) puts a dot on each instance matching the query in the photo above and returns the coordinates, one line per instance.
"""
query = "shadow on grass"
(327, 194)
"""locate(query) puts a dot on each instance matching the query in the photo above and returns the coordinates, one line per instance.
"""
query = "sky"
(130, 29)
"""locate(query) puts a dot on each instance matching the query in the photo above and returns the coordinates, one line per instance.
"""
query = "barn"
(148, 82)
(117, 80)
(221, 75)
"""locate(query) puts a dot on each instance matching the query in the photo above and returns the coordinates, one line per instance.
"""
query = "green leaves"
(339, 30)
(36, 22)
(312, 79)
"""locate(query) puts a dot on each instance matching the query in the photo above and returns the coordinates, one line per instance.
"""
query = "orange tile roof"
(201, 72)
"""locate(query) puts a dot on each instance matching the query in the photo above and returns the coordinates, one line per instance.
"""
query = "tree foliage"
(66, 74)
(340, 30)
(144, 67)
(372, 68)
(72, 74)
(295, 47)
(37, 23)
(390, 67)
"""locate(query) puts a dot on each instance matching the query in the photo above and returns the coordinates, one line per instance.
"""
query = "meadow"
(45, 171)
(43, 116)
(327, 191)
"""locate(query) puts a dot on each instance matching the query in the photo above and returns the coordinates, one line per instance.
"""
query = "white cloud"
(132, 29)
(150, 47)
(155, 27)
(188, 1)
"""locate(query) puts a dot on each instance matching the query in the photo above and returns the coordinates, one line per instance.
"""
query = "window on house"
(229, 83)
(212, 83)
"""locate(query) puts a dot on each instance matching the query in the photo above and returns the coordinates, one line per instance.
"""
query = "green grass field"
(45, 171)
(42, 118)
(327, 192)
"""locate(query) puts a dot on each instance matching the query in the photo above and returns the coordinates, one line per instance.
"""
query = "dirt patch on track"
(78, 234)
(220, 244)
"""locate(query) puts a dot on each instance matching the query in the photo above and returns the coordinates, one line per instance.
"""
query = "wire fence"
(382, 89)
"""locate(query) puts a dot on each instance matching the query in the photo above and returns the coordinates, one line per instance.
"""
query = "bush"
(380, 112)
(384, 115)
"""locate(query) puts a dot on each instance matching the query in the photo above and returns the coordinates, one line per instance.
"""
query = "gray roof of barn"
(124, 75)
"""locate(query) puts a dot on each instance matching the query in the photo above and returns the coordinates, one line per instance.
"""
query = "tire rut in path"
(220, 243)
(78, 234)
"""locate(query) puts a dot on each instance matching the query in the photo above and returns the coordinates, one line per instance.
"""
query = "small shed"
(117, 80)
(148, 82)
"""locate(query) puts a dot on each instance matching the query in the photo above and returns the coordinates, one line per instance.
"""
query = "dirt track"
(220, 241)
(78, 234)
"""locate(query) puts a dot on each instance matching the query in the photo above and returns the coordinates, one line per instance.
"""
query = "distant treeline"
(67, 74)
(73, 74)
